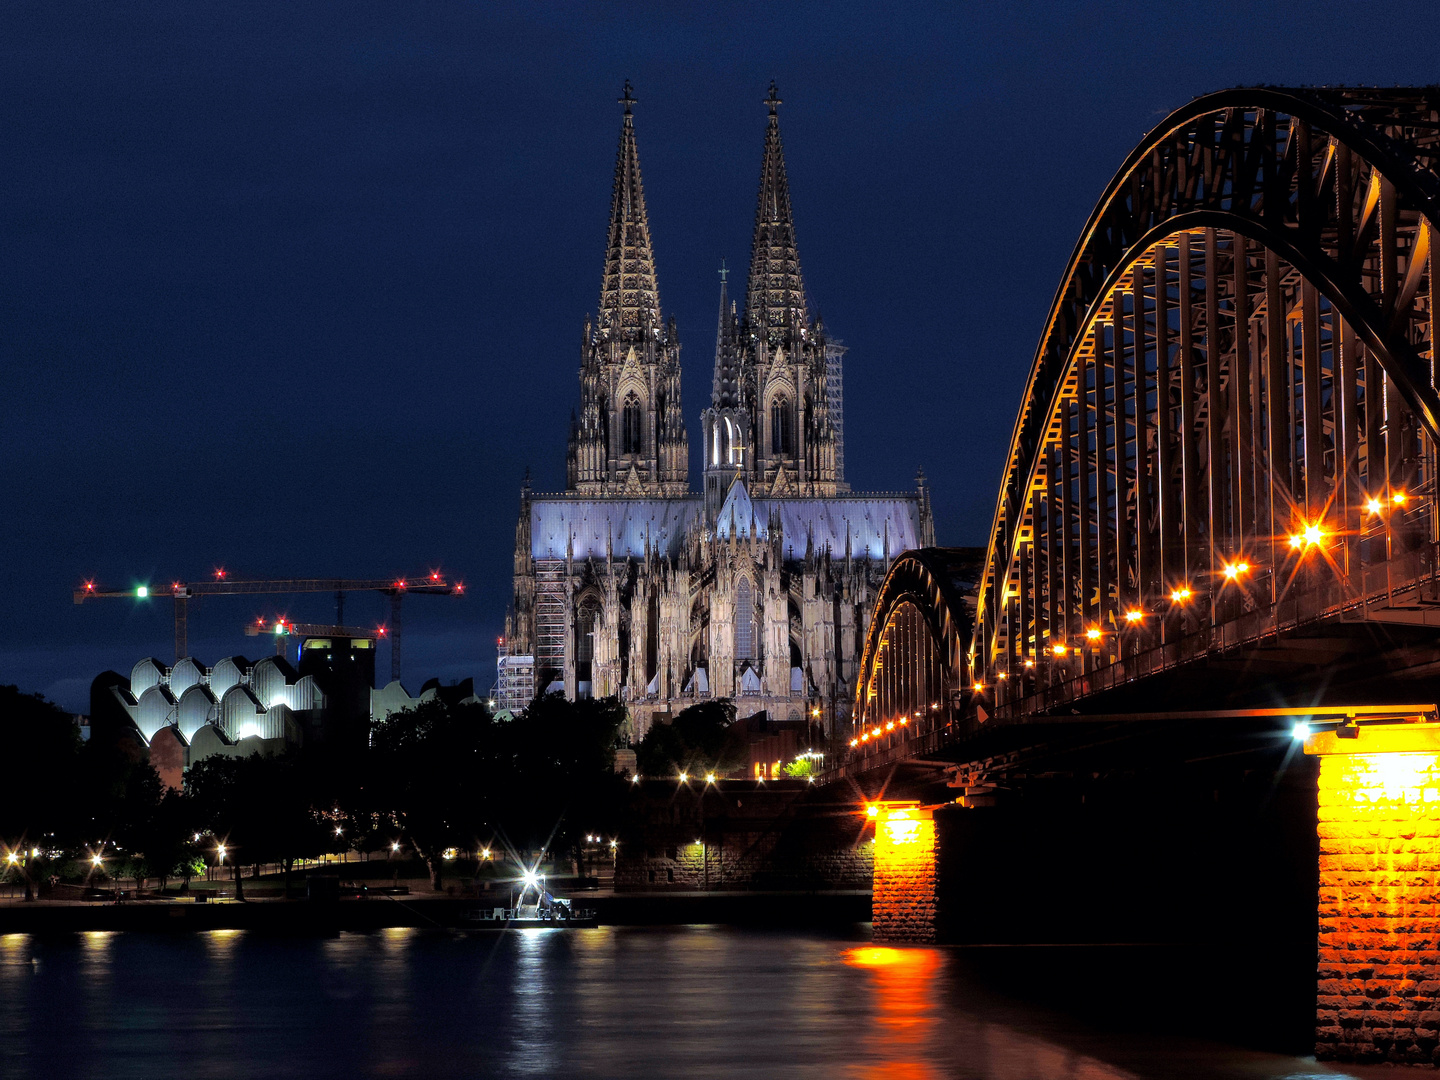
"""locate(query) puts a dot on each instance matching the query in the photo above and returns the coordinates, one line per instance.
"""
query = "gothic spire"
(629, 295)
(725, 391)
(776, 291)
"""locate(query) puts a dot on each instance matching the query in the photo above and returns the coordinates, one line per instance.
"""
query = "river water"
(694, 1002)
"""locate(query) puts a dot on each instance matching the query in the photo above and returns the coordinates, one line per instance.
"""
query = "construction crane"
(433, 583)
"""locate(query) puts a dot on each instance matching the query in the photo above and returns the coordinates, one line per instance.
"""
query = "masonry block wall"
(1379, 898)
(905, 901)
(784, 835)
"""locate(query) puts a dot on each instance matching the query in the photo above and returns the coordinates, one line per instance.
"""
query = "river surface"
(694, 1002)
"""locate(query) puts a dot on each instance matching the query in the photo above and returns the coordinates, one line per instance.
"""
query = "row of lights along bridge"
(1309, 536)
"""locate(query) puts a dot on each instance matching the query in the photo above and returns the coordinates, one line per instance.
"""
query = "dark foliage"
(703, 738)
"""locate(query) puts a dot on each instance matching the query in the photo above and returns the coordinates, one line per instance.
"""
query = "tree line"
(434, 777)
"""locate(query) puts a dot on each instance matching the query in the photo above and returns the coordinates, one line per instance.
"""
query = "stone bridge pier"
(1293, 903)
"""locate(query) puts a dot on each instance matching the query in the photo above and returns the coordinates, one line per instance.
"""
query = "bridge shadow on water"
(1090, 1012)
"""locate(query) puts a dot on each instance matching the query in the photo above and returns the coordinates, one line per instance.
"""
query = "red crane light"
(219, 573)
(459, 587)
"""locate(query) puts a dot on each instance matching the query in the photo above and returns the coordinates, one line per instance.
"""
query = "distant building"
(188, 711)
(759, 587)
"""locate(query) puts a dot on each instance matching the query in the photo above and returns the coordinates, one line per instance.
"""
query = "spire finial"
(774, 99)
(628, 98)
(723, 272)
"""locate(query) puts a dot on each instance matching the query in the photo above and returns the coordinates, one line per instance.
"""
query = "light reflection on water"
(697, 1002)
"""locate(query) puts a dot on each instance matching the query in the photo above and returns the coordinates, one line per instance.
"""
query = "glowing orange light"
(1373, 506)
(1002, 675)
(1235, 569)
(1093, 633)
(1314, 534)
(872, 810)
(1028, 663)
(1134, 615)
(890, 726)
(1399, 498)
(1296, 541)
(865, 737)
(1180, 595)
(904, 720)
(853, 742)
(979, 686)
(1058, 650)
(902, 826)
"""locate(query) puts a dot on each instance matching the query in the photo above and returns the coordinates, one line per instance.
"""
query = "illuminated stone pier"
(905, 902)
(1379, 895)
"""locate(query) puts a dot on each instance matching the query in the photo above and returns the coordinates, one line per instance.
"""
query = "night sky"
(297, 289)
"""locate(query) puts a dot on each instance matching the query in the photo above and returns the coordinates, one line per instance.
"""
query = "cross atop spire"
(629, 293)
(775, 295)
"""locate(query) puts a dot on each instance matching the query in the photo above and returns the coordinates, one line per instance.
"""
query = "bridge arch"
(1230, 422)
(913, 665)
(1233, 404)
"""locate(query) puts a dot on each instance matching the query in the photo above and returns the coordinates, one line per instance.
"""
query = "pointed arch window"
(782, 427)
(744, 621)
(632, 440)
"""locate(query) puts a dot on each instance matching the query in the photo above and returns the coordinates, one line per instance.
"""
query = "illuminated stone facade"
(758, 588)
(905, 904)
(1379, 954)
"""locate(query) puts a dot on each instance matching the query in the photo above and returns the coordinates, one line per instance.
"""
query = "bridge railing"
(1381, 587)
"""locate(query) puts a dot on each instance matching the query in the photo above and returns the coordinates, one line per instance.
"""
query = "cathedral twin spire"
(776, 292)
(770, 365)
(629, 293)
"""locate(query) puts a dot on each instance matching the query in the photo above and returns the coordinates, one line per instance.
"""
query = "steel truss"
(1231, 419)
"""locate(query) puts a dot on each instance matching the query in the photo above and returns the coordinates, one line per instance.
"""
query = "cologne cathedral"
(759, 587)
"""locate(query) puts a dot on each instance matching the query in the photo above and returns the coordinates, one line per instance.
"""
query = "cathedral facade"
(758, 588)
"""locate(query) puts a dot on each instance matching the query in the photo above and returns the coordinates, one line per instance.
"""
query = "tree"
(555, 778)
(37, 798)
(702, 738)
(260, 808)
(425, 766)
(448, 774)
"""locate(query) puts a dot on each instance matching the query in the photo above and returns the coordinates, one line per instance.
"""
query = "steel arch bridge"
(1228, 431)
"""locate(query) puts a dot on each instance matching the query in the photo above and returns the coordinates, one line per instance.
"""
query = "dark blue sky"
(297, 289)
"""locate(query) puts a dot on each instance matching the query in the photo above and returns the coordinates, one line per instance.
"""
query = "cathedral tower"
(784, 362)
(629, 437)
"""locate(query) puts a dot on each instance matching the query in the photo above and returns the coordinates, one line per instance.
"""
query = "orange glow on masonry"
(1379, 829)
